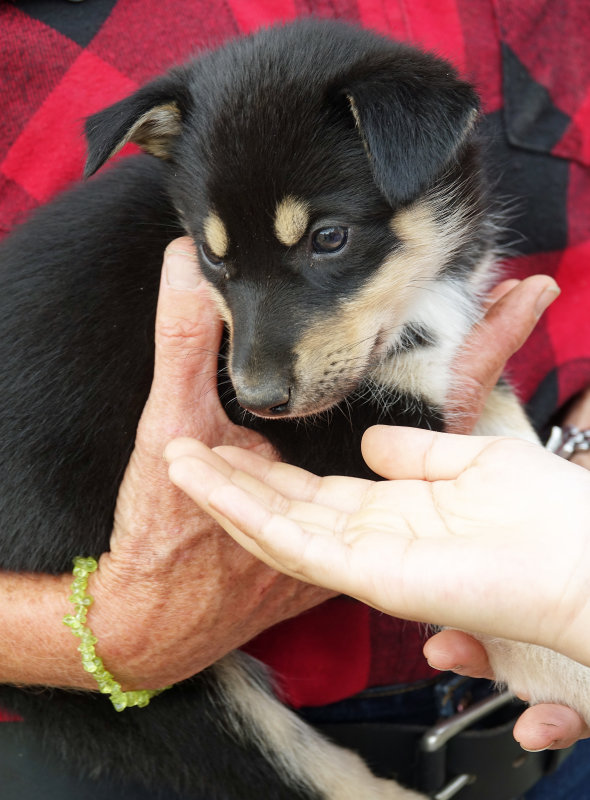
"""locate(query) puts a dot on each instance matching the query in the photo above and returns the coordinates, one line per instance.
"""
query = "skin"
(159, 537)
(432, 543)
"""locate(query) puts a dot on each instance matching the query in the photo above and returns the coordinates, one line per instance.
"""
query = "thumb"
(188, 328)
(187, 338)
(398, 453)
(184, 401)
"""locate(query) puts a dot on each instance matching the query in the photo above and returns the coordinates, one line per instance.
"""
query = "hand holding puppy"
(168, 560)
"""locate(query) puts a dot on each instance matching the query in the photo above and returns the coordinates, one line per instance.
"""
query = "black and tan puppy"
(331, 182)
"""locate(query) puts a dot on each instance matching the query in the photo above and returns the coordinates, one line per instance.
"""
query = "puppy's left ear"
(152, 118)
(413, 115)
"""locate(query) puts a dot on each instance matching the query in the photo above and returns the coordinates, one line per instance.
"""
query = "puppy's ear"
(152, 118)
(413, 116)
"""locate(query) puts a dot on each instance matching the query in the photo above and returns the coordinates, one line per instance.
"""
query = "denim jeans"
(430, 701)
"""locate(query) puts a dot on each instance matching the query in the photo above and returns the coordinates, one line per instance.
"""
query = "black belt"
(458, 758)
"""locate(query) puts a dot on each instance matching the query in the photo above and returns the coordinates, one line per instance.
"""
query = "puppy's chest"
(419, 360)
(331, 444)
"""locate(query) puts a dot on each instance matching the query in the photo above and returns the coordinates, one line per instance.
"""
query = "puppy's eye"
(210, 257)
(329, 240)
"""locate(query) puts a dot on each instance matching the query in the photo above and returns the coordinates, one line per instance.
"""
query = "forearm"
(145, 645)
(36, 647)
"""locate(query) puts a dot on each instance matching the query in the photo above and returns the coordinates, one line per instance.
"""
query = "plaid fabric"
(61, 61)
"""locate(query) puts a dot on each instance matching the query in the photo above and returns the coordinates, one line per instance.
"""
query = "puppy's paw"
(539, 675)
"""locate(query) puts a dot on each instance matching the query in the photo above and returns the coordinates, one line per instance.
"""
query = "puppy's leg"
(539, 674)
(297, 750)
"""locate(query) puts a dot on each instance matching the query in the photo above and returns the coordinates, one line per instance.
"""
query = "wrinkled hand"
(174, 593)
(513, 310)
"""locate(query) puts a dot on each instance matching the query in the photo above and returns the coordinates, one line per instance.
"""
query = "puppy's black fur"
(344, 131)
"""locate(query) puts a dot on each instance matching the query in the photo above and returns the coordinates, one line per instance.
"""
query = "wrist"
(120, 620)
(92, 663)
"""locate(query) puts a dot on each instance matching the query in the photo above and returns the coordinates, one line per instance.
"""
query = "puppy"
(331, 181)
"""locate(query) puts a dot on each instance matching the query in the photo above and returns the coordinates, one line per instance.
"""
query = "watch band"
(567, 440)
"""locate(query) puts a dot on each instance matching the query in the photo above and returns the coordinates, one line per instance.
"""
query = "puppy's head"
(326, 175)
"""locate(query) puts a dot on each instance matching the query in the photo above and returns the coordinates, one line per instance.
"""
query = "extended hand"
(459, 520)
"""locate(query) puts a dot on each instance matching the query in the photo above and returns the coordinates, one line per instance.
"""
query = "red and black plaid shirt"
(61, 61)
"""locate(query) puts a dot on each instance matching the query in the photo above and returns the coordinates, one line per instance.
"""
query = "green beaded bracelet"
(92, 663)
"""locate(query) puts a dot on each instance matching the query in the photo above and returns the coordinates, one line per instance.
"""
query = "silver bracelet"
(567, 440)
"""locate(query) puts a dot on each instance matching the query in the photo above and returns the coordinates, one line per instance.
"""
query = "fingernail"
(547, 296)
(181, 270)
(538, 750)
(456, 668)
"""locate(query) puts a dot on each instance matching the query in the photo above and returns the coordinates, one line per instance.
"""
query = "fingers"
(291, 519)
(293, 483)
(508, 323)
(459, 652)
(549, 726)
(541, 727)
(201, 473)
(498, 291)
(414, 454)
(291, 536)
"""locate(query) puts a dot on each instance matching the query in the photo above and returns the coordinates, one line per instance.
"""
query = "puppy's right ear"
(152, 118)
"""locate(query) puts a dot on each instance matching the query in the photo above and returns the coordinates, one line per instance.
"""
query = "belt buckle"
(433, 744)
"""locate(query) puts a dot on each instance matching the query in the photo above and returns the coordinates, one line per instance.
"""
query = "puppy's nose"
(265, 400)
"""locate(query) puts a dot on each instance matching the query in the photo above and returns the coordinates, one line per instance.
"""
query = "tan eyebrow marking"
(216, 235)
(291, 220)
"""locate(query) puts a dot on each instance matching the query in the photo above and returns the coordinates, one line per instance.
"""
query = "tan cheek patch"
(328, 346)
(216, 235)
(347, 335)
(418, 259)
(291, 220)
